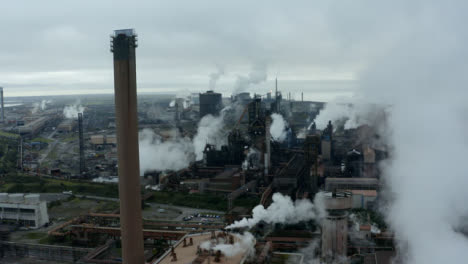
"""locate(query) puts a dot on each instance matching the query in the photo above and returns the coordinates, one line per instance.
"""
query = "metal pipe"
(123, 47)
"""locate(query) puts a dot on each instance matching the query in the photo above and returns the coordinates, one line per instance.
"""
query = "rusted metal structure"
(123, 47)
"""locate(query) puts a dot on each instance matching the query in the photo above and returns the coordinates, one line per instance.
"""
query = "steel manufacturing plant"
(279, 133)
(201, 178)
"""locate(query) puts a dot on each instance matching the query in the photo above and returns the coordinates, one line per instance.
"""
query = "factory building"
(66, 126)
(35, 126)
(199, 248)
(26, 210)
(327, 142)
(351, 184)
(364, 198)
(210, 103)
(103, 140)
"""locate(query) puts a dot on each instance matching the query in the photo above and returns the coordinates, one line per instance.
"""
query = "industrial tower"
(3, 106)
(80, 134)
(123, 44)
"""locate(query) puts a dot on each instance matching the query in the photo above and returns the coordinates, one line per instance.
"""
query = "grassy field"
(204, 201)
(8, 135)
(41, 139)
(34, 184)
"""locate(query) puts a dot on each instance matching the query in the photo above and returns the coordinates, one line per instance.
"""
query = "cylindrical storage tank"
(16, 198)
(3, 197)
(32, 198)
(335, 225)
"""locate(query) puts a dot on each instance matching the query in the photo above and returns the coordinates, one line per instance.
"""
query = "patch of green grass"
(52, 154)
(196, 200)
(41, 139)
(32, 184)
(70, 138)
(35, 235)
(247, 201)
(8, 135)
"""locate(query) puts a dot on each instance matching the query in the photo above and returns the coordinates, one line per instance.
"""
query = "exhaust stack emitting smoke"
(284, 211)
(421, 75)
(71, 111)
(278, 128)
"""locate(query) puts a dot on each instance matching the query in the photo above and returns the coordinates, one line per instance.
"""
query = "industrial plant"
(207, 177)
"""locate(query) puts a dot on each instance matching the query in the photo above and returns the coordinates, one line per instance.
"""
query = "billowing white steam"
(278, 128)
(256, 76)
(40, 106)
(214, 76)
(71, 111)
(156, 154)
(210, 130)
(350, 112)
(422, 74)
(284, 211)
(176, 153)
(244, 243)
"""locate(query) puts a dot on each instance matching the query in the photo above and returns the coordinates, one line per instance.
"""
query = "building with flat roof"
(351, 184)
(201, 248)
(27, 210)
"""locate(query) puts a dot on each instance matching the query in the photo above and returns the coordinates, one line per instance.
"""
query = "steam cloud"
(278, 128)
(210, 130)
(350, 112)
(214, 76)
(256, 76)
(176, 153)
(244, 243)
(422, 75)
(156, 154)
(284, 211)
(40, 106)
(71, 111)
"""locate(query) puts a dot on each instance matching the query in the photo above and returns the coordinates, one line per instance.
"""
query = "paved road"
(50, 147)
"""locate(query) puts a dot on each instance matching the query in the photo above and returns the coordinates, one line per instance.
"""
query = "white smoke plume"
(351, 112)
(244, 243)
(156, 154)
(256, 76)
(278, 128)
(284, 211)
(422, 74)
(40, 106)
(214, 76)
(210, 130)
(172, 103)
(177, 153)
(71, 111)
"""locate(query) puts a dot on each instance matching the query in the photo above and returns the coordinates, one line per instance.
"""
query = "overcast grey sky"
(62, 47)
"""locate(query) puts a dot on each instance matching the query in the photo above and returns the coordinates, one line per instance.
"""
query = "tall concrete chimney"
(123, 46)
(3, 109)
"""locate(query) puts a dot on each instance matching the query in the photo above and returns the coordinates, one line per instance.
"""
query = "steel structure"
(80, 134)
